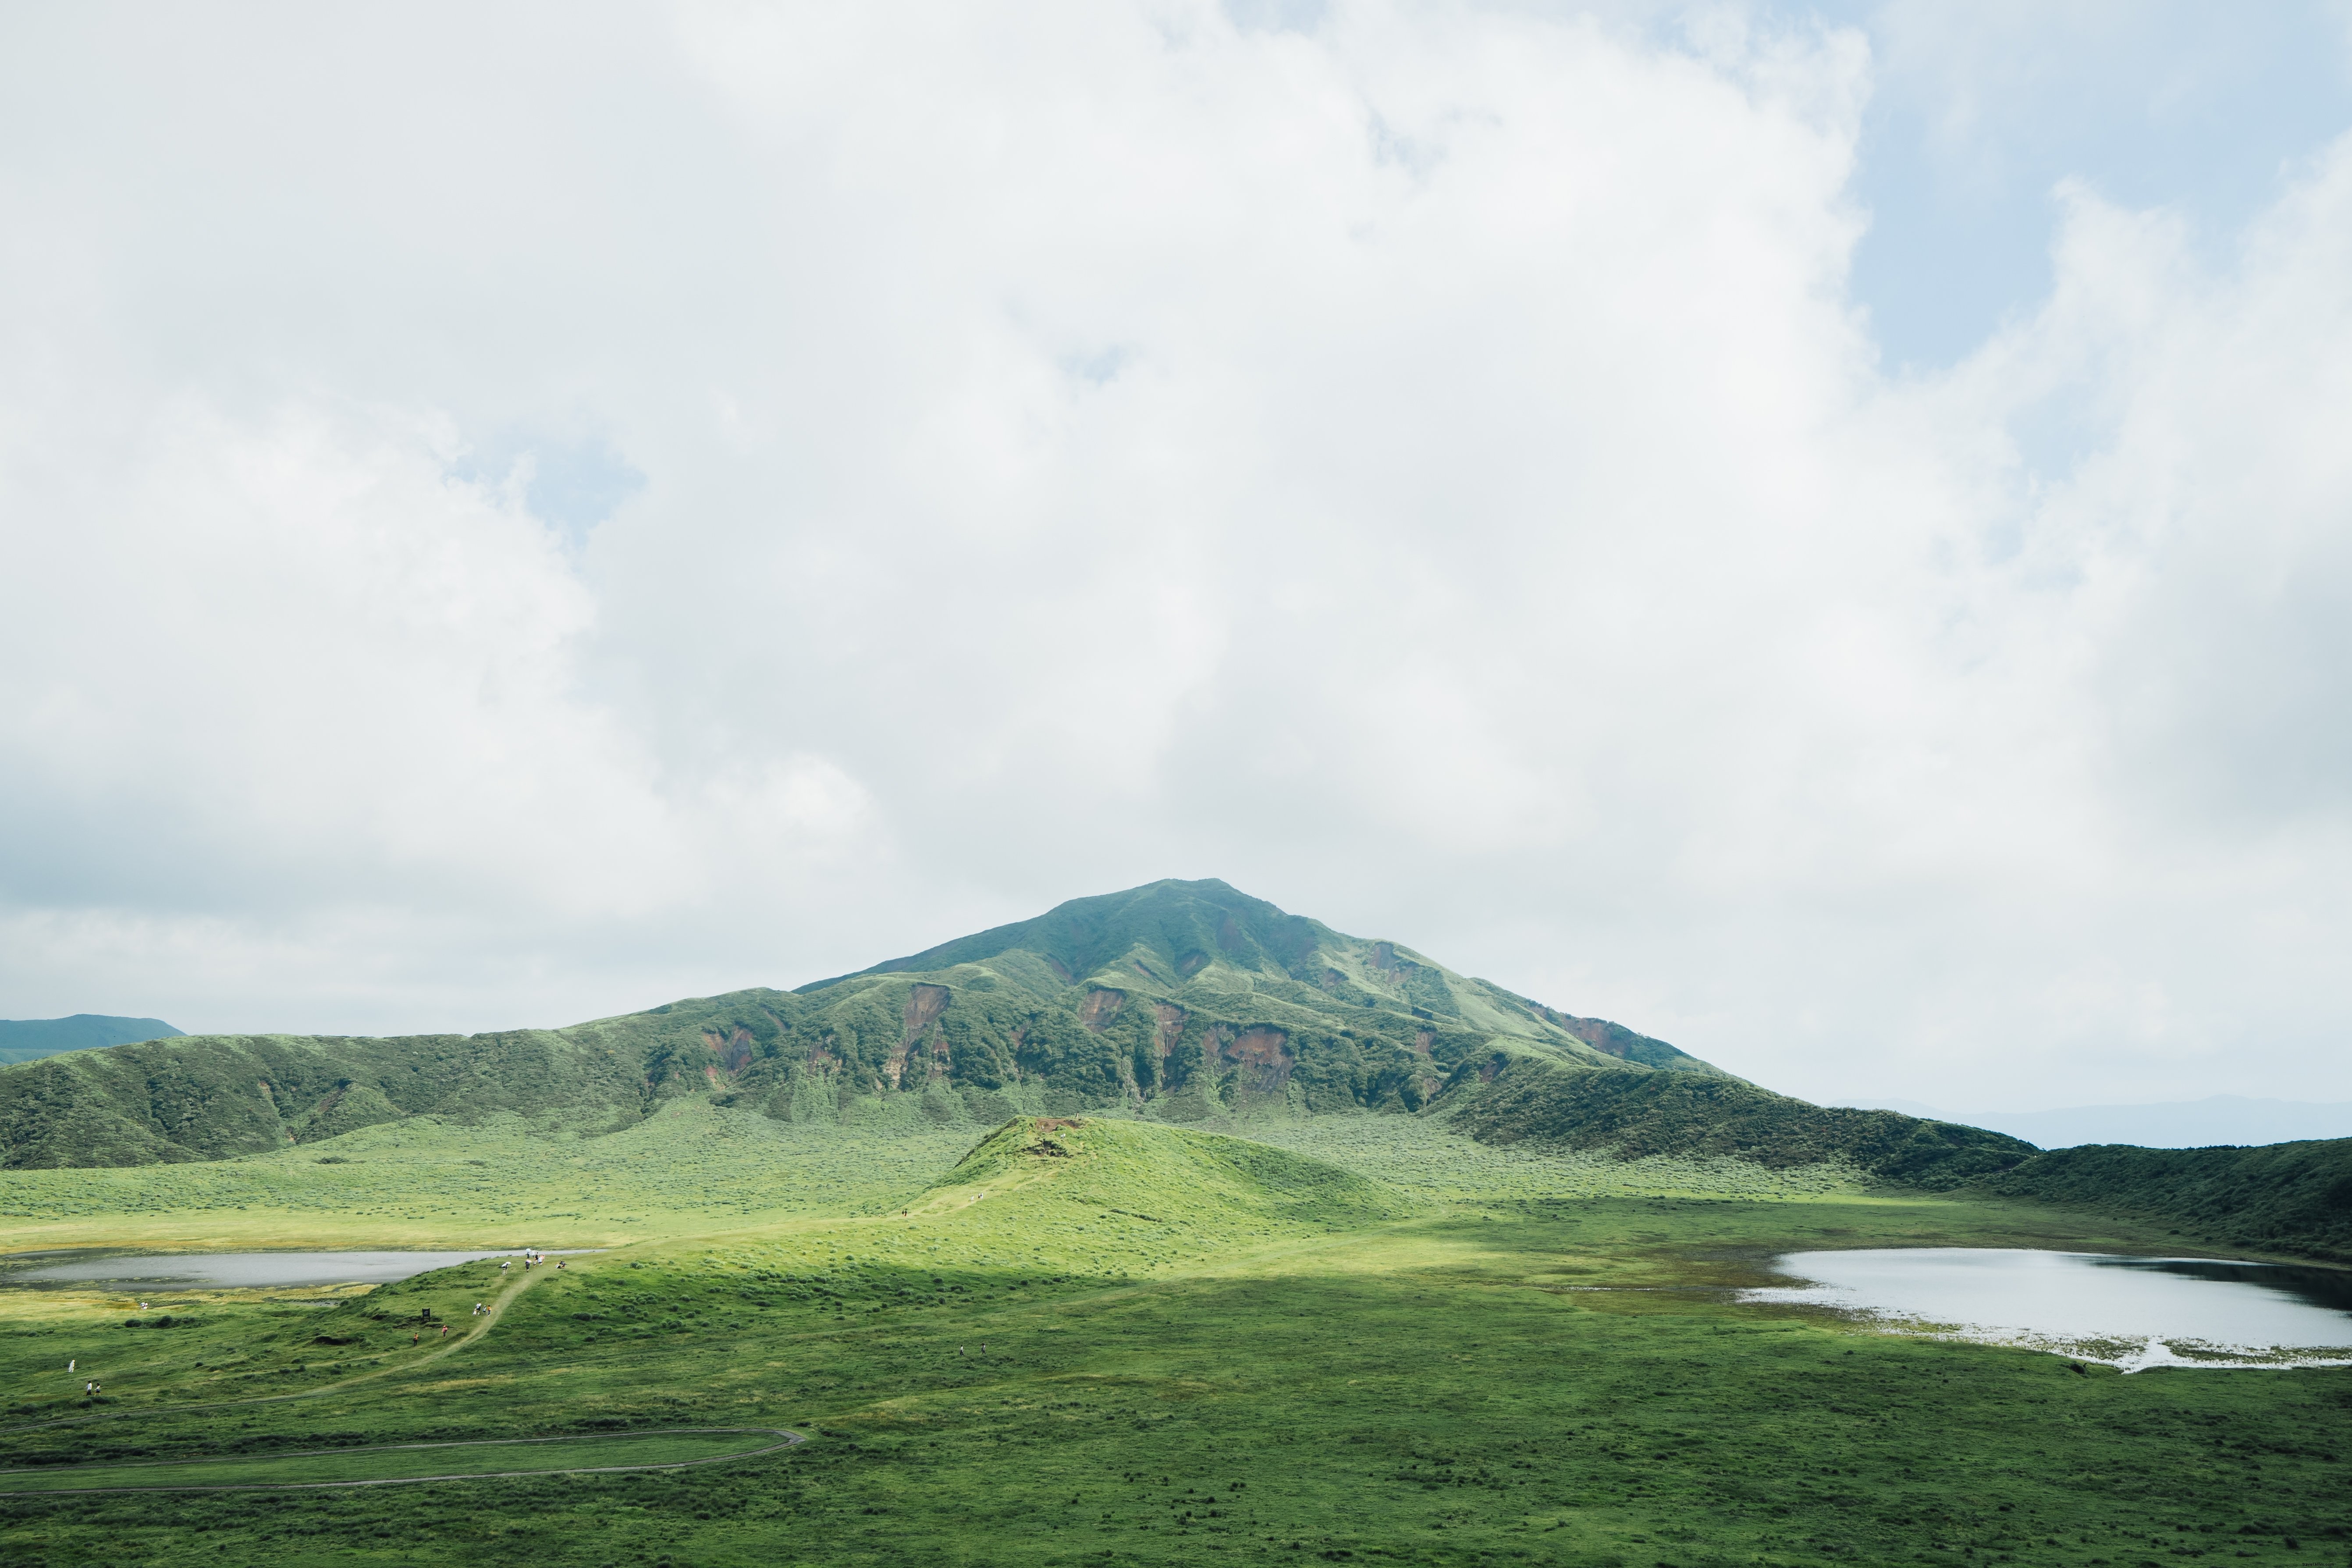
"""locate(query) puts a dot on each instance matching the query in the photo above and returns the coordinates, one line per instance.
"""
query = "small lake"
(239, 1270)
(2130, 1312)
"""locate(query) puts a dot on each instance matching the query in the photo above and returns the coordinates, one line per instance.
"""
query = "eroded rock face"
(1170, 1027)
(925, 1003)
(733, 1049)
(1099, 1007)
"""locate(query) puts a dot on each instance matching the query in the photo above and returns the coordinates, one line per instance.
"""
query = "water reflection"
(2132, 1312)
(236, 1270)
(2329, 1288)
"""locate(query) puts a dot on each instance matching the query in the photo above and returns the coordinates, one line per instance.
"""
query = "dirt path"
(522, 1282)
(482, 1325)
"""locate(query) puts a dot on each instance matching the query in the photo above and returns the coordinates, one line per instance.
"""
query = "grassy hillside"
(1635, 1115)
(2287, 1197)
(203, 1096)
(29, 1039)
(1185, 1000)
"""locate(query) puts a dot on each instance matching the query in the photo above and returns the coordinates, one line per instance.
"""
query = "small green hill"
(29, 1039)
(1632, 1115)
(1203, 1181)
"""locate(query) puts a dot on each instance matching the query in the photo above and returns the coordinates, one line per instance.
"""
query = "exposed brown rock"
(1170, 1028)
(1100, 1006)
(733, 1050)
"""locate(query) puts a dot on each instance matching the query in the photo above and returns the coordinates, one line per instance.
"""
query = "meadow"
(1355, 1338)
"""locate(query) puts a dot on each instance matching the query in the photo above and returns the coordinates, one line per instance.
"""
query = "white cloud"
(1421, 465)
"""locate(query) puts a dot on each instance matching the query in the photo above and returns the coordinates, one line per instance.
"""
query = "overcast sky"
(1825, 535)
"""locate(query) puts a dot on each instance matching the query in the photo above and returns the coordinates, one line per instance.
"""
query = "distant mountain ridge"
(2218, 1118)
(29, 1039)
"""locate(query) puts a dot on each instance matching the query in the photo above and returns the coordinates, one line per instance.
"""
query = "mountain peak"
(1205, 942)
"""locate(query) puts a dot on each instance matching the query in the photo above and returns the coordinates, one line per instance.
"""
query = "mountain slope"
(1200, 944)
(29, 1039)
(1181, 1000)
(2289, 1197)
(1635, 1114)
(203, 1096)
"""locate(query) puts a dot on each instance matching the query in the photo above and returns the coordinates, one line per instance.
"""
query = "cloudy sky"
(1823, 534)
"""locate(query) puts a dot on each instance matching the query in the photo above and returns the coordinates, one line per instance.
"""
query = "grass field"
(405, 1462)
(1357, 1338)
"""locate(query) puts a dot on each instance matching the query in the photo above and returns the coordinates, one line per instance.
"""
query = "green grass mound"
(1204, 1182)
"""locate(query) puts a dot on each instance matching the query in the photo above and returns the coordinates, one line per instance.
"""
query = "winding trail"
(498, 1306)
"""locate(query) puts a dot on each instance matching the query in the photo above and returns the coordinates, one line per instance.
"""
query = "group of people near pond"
(531, 1258)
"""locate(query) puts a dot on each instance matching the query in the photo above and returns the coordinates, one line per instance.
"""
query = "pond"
(2129, 1312)
(236, 1270)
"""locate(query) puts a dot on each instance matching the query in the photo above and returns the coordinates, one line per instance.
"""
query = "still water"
(241, 1271)
(2131, 1313)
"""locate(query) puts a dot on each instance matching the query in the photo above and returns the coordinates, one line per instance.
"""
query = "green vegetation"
(405, 1462)
(1168, 1229)
(2286, 1197)
(1385, 1342)
(427, 1183)
(1634, 1115)
(29, 1039)
(1186, 999)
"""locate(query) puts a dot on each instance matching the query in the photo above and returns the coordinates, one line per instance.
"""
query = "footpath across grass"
(1414, 1373)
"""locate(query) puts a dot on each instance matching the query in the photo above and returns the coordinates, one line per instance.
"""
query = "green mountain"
(1174, 1002)
(29, 1039)
(1633, 1115)
(1207, 950)
(1179, 1000)
(2287, 1197)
